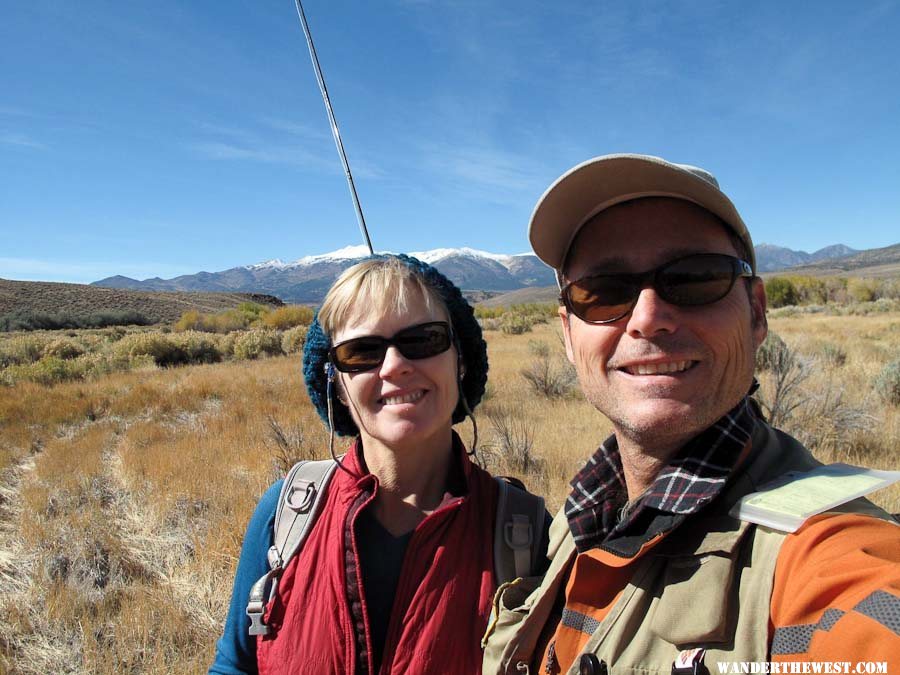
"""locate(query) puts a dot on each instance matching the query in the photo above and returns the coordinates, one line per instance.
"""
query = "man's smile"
(659, 368)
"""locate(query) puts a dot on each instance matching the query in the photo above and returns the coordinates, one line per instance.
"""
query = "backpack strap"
(299, 503)
(518, 530)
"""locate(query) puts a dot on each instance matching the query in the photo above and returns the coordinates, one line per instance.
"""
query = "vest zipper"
(387, 655)
(360, 589)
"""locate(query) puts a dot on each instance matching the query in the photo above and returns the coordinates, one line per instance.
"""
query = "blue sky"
(166, 138)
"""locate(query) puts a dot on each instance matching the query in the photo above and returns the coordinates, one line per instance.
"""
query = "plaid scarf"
(691, 480)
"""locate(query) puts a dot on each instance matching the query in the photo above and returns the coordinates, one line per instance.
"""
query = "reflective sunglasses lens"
(697, 280)
(602, 298)
(361, 354)
(417, 342)
(422, 342)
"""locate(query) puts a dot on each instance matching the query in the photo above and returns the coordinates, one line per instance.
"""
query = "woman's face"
(403, 402)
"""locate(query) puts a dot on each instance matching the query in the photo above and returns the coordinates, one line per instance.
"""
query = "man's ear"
(567, 338)
(760, 323)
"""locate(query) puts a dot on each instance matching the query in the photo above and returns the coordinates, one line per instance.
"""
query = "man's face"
(697, 362)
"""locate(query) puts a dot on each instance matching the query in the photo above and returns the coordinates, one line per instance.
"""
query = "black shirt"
(381, 557)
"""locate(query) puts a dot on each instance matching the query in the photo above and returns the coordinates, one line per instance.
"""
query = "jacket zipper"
(361, 590)
(387, 657)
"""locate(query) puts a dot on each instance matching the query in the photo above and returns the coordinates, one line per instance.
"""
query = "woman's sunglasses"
(698, 279)
(364, 353)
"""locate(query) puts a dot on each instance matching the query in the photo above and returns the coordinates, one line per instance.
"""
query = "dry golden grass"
(123, 501)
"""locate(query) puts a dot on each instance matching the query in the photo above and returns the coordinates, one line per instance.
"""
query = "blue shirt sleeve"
(236, 649)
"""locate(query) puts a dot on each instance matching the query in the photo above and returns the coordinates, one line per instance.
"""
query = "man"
(662, 314)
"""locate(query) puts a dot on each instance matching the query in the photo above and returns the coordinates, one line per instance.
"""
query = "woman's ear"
(339, 392)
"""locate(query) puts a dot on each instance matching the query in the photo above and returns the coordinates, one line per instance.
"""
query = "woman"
(396, 575)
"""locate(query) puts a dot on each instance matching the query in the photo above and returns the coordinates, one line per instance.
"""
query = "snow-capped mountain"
(308, 278)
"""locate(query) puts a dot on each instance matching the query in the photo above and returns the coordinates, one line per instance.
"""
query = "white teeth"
(406, 398)
(659, 368)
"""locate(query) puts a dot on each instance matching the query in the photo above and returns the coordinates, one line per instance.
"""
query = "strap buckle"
(517, 533)
(305, 490)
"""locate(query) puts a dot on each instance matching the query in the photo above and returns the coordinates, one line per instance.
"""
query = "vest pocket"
(512, 595)
(694, 603)
(508, 612)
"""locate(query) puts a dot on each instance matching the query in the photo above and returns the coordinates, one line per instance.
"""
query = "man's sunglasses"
(364, 353)
(698, 279)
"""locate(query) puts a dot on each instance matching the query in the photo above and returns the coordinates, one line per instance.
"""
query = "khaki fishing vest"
(708, 584)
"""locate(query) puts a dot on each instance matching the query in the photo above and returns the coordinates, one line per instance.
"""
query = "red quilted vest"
(443, 598)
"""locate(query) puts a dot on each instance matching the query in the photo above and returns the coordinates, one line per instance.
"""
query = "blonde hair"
(380, 286)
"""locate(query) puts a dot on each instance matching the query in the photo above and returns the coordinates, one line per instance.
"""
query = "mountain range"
(771, 258)
(306, 280)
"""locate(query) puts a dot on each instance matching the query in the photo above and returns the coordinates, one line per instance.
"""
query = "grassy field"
(123, 500)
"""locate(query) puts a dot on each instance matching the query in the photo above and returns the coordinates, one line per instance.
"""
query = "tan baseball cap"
(597, 184)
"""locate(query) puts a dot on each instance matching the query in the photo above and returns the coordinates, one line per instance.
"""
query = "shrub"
(862, 290)
(490, 323)
(788, 372)
(513, 323)
(887, 384)
(770, 351)
(514, 441)
(220, 322)
(21, 349)
(548, 374)
(226, 346)
(251, 311)
(190, 320)
(255, 343)
(542, 311)
(288, 316)
(826, 422)
(516, 319)
(163, 349)
(293, 339)
(289, 445)
(63, 348)
(47, 370)
(25, 320)
(834, 355)
(780, 291)
(198, 347)
(488, 312)
(228, 321)
(810, 290)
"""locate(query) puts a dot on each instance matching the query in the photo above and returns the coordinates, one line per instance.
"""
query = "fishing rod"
(334, 127)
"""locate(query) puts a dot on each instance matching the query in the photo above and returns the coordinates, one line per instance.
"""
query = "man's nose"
(394, 362)
(651, 315)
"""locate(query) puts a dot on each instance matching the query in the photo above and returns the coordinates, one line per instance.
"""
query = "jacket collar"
(694, 477)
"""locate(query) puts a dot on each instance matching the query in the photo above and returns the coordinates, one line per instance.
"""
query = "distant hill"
(875, 262)
(46, 297)
(771, 258)
(523, 296)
